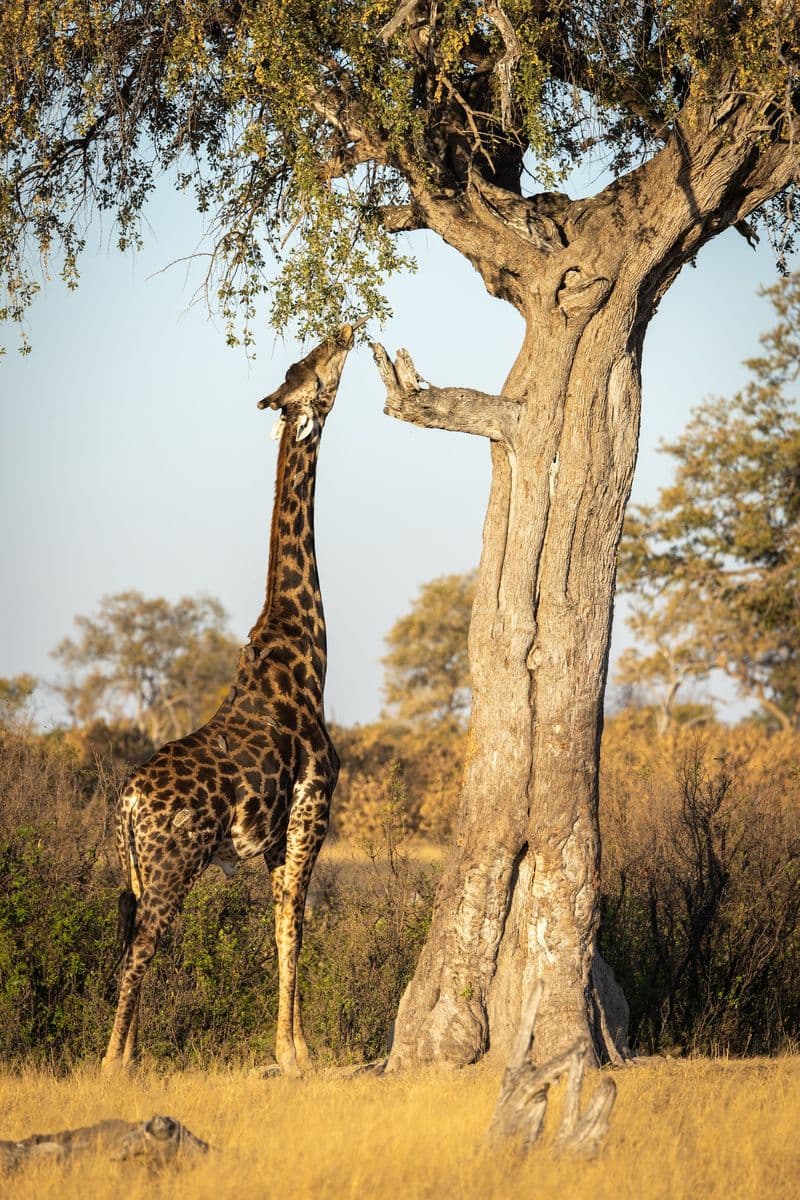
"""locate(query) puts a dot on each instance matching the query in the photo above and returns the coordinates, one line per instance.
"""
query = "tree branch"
(408, 12)
(402, 218)
(504, 65)
(461, 410)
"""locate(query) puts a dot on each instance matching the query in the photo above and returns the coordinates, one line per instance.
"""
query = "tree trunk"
(520, 893)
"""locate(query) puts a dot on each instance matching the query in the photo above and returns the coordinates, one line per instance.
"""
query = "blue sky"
(132, 453)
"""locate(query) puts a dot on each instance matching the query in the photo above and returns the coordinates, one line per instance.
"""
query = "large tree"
(322, 130)
(714, 565)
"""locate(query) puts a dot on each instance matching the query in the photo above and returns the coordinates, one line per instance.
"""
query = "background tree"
(715, 564)
(426, 669)
(315, 133)
(165, 666)
(665, 658)
(15, 695)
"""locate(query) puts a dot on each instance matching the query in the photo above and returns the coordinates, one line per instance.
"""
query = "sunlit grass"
(680, 1129)
(346, 850)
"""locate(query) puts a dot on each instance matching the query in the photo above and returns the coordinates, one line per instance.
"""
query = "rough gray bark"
(519, 896)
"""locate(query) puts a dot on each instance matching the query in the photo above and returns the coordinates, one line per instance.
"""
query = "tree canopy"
(165, 666)
(714, 565)
(311, 133)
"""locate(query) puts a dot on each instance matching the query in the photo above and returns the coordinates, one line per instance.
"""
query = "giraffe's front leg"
(304, 836)
(298, 1039)
(290, 1061)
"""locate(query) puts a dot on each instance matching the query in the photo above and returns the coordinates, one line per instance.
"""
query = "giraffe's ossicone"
(258, 778)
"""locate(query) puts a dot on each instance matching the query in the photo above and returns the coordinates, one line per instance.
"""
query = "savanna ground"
(696, 1128)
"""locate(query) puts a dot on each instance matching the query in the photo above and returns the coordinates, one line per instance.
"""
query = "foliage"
(15, 695)
(714, 566)
(167, 666)
(426, 667)
(419, 767)
(56, 953)
(302, 127)
(701, 907)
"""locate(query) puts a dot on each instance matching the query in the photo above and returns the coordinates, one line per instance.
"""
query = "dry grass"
(700, 1128)
(341, 850)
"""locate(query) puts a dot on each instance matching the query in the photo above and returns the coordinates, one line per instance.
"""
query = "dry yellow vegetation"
(697, 1128)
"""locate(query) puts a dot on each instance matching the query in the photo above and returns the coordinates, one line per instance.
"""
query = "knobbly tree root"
(156, 1142)
(522, 1103)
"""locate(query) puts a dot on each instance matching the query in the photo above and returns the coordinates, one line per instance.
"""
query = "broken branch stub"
(462, 410)
(524, 1093)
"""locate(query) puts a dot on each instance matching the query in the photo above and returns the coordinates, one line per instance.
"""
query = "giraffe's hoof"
(289, 1067)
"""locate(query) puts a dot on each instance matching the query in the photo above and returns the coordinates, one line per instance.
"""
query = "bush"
(701, 901)
(212, 990)
(700, 905)
(56, 955)
(363, 940)
(427, 763)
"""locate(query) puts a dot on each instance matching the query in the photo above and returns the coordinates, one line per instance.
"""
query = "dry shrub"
(428, 763)
(363, 938)
(212, 990)
(701, 885)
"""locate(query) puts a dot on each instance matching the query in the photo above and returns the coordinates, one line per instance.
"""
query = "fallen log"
(159, 1141)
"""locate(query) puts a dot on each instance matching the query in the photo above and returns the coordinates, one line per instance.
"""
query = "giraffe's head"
(306, 396)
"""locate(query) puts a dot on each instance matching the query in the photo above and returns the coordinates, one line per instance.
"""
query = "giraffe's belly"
(226, 858)
(248, 838)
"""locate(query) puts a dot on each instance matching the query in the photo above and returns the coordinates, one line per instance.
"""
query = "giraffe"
(257, 779)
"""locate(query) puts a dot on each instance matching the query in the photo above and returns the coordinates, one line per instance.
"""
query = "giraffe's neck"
(293, 607)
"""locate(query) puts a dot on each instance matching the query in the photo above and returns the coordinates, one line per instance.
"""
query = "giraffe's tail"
(126, 850)
(126, 924)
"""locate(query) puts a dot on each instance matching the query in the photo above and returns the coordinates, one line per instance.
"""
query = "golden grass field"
(701, 1128)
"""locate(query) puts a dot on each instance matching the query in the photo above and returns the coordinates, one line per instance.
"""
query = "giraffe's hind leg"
(155, 913)
(306, 830)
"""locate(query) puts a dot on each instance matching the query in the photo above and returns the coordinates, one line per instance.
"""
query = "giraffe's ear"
(304, 426)
(277, 428)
